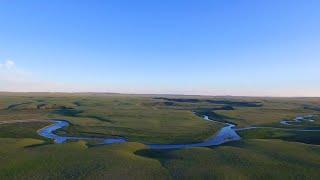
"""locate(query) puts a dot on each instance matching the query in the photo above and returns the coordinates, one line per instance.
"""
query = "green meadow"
(263, 153)
(249, 159)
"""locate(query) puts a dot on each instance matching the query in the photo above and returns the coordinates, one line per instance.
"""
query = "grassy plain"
(261, 154)
(310, 137)
(22, 129)
(249, 159)
(136, 118)
(26, 159)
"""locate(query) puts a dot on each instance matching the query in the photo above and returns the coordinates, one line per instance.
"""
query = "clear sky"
(215, 47)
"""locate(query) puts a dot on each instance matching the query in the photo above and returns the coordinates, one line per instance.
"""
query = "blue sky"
(217, 47)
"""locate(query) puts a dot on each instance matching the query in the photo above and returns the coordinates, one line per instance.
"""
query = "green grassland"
(134, 117)
(249, 159)
(22, 130)
(261, 154)
(26, 159)
(309, 137)
(273, 111)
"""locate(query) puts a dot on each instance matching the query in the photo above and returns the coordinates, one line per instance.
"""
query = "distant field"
(272, 153)
(137, 118)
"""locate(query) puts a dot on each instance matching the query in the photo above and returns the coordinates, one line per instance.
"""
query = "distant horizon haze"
(154, 94)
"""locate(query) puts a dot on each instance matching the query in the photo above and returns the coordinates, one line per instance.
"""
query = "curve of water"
(298, 119)
(225, 134)
(48, 132)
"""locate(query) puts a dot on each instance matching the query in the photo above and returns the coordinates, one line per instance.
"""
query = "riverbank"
(224, 135)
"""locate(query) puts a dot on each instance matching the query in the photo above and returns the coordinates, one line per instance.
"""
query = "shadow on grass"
(45, 142)
(220, 102)
(307, 137)
(77, 113)
(214, 116)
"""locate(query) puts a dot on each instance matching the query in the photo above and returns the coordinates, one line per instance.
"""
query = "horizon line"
(155, 94)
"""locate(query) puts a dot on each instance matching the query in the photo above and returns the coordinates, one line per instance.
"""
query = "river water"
(49, 132)
(225, 134)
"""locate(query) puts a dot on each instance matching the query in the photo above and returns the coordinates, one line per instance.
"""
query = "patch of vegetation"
(212, 115)
(309, 107)
(236, 103)
(220, 102)
(179, 100)
(309, 137)
(12, 106)
(68, 112)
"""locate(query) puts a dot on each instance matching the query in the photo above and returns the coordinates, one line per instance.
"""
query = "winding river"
(48, 132)
(225, 134)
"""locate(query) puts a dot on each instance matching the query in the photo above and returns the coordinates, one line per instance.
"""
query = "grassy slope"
(250, 159)
(254, 159)
(298, 136)
(22, 130)
(75, 161)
